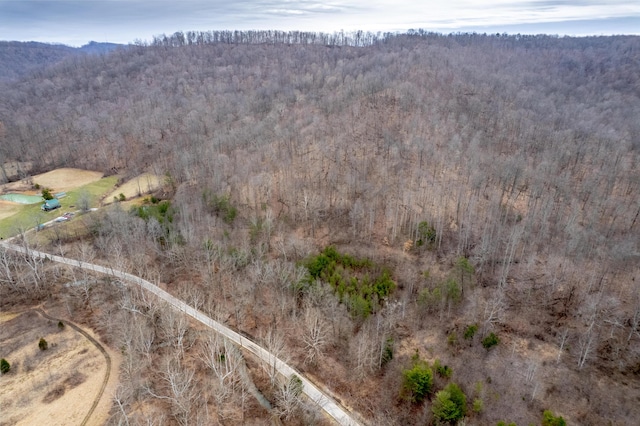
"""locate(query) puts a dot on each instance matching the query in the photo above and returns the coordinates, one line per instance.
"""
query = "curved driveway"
(328, 404)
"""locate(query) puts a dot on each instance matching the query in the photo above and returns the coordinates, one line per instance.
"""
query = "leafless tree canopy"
(496, 176)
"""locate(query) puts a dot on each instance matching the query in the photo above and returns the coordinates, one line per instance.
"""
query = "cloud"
(76, 22)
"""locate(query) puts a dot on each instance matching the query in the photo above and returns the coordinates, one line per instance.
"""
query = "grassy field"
(29, 216)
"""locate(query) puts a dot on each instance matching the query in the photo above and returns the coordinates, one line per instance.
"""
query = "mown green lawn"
(29, 216)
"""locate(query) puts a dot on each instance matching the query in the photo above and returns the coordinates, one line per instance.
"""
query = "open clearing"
(136, 187)
(76, 183)
(66, 179)
(53, 387)
(58, 180)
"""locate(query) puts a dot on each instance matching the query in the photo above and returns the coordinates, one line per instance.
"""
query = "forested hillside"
(370, 204)
(20, 59)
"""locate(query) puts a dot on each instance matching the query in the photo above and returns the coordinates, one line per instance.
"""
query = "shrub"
(358, 283)
(490, 341)
(478, 405)
(387, 352)
(502, 423)
(296, 385)
(426, 234)
(450, 404)
(163, 212)
(163, 208)
(121, 197)
(43, 345)
(470, 331)
(46, 194)
(430, 300)
(383, 285)
(453, 290)
(548, 419)
(466, 269)
(442, 370)
(359, 307)
(60, 325)
(417, 381)
(4, 366)
(220, 205)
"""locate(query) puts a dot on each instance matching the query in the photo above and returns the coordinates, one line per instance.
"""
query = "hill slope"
(19, 59)
(493, 178)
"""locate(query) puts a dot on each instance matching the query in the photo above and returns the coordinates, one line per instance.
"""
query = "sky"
(76, 22)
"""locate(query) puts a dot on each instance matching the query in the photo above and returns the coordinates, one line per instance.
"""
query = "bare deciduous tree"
(223, 359)
(6, 267)
(273, 341)
(289, 397)
(586, 342)
(315, 335)
(493, 310)
(178, 387)
(175, 329)
(563, 340)
(365, 350)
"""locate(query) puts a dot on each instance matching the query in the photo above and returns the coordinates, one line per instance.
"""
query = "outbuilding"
(50, 205)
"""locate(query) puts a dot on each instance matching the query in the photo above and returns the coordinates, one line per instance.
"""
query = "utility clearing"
(56, 386)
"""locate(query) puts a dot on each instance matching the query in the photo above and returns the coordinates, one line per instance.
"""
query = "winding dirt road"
(328, 404)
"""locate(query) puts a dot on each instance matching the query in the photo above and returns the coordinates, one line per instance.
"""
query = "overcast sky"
(77, 22)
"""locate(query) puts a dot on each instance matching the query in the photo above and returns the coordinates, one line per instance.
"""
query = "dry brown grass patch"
(53, 387)
(136, 187)
(58, 180)
(66, 179)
